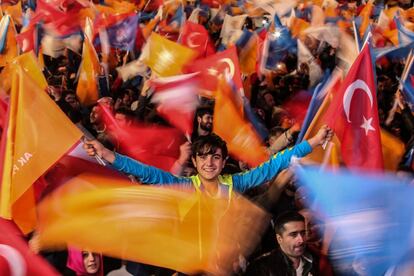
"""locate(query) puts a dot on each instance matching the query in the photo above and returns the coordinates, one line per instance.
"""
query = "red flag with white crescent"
(353, 114)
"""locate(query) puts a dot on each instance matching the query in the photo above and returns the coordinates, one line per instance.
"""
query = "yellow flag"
(10, 51)
(392, 150)
(166, 58)
(38, 133)
(29, 63)
(242, 141)
(87, 89)
(168, 227)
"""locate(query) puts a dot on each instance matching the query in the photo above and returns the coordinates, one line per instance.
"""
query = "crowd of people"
(295, 241)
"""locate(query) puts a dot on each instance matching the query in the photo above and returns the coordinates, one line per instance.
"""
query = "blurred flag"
(407, 81)
(367, 214)
(164, 57)
(242, 141)
(353, 115)
(280, 7)
(393, 150)
(177, 99)
(122, 34)
(132, 69)
(405, 36)
(231, 29)
(329, 82)
(157, 146)
(365, 16)
(214, 66)
(87, 89)
(8, 43)
(305, 56)
(278, 44)
(29, 39)
(15, 11)
(38, 134)
(15, 256)
(248, 47)
(196, 37)
(55, 46)
(114, 217)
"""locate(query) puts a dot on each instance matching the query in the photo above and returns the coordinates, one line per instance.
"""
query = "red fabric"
(15, 255)
(196, 37)
(215, 65)
(360, 147)
(177, 100)
(153, 145)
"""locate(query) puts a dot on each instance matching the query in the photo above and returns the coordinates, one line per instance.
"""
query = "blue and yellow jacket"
(239, 182)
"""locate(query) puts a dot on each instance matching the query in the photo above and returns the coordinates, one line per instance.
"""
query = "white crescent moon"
(349, 92)
(190, 41)
(230, 64)
(15, 260)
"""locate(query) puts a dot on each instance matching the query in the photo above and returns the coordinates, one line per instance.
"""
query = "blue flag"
(371, 215)
(279, 43)
(122, 35)
(317, 98)
(405, 36)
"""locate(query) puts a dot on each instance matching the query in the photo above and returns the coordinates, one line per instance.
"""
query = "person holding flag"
(209, 155)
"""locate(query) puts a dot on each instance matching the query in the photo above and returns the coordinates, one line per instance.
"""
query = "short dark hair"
(286, 217)
(203, 110)
(208, 144)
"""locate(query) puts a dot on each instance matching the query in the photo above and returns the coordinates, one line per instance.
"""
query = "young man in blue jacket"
(209, 154)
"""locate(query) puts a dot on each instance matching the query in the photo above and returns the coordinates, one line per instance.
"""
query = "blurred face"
(121, 119)
(91, 261)
(95, 116)
(206, 122)
(209, 166)
(73, 101)
(292, 240)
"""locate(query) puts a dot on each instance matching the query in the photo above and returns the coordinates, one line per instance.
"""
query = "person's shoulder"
(263, 264)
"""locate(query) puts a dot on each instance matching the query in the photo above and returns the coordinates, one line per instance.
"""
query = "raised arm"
(146, 174)
(268, 170)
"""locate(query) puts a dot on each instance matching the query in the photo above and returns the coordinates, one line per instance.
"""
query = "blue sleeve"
(268, 170)
(146, 174)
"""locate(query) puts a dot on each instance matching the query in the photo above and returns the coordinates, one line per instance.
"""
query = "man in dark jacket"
(291, 257)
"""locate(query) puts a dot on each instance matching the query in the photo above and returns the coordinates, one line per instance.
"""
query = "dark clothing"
(276, 263)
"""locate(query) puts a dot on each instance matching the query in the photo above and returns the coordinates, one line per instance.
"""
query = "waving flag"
(214, 66)
(209, 233)
(122, 34)
(31, 114)
(405, 36)
(196, 37)
(364, 213)
(87, 89)
(15, 256)
(305, 56)
(164, 57)
(8, 43)
(248, 47)
(29, 39)
(243, 142)
(177, 99)
(278, 44)
(157, 146)
(353, 114)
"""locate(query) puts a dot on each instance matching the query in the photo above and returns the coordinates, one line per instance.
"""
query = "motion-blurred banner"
(369, 218)
(167, 227)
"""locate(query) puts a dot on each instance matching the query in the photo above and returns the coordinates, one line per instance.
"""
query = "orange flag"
(30, 64)
(365, 14)
(242, 141)
(167, 227)
(38, 133)
(166, 58)
(87, 89)
(8, 29)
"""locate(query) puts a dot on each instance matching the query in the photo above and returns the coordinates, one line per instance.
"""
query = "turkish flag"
(196, 37)
(15, 256)
(214, 66)
(353, 115)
